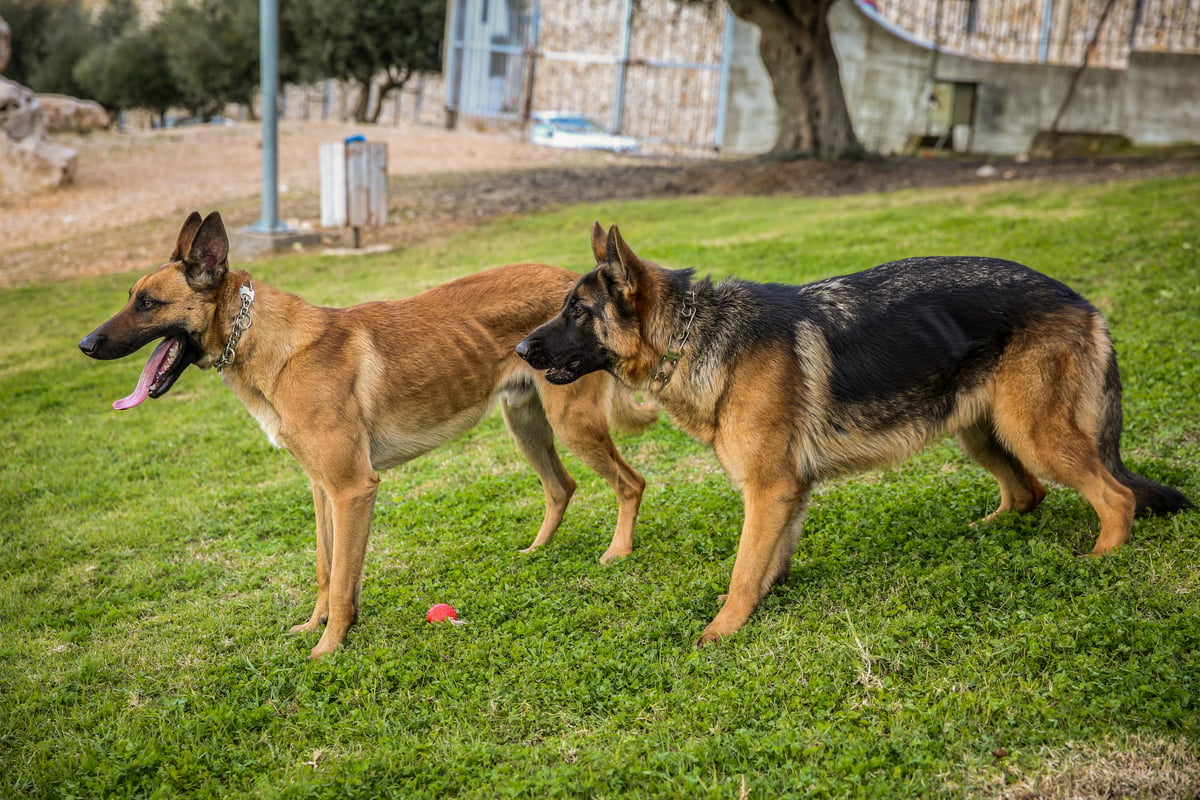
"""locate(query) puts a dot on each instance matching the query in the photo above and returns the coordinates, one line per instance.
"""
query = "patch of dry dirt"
(132, 190)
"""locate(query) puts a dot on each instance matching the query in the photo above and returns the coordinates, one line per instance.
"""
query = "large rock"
(29, 161)
(62, 114)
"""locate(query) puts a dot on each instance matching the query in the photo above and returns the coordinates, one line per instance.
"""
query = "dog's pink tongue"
(142, 391)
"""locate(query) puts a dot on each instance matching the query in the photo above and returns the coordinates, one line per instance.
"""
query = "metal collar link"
(666, 364)
(240, 323)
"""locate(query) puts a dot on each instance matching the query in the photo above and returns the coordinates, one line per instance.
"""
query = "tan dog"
(794, 384)
(352, 391)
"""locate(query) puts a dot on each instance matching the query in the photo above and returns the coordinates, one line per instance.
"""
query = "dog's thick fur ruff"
(793, 384)
(353, 391)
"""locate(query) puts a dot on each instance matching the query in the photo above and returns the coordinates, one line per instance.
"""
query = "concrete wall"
(750, 104)
(887, 80)
(1162, 98)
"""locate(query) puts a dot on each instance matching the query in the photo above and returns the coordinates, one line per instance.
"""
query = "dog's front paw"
(314, 622)
(327, 645)
(320, 652)
(614, 553)
(729, 620)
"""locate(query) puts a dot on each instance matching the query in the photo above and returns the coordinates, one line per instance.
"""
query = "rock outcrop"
(29, 161)
(62, 114)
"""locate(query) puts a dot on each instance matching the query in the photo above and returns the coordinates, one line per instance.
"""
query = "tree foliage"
(212, 48)
(26, 23)
(203, 54)
(358, 40)
(126, 69)
(128, 73)
(116, 18)
(48, 38)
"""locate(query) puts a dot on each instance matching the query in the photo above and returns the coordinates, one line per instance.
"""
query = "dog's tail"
(1151, 497)
(629, 415)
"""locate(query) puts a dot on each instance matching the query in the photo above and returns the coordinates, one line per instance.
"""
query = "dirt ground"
(132, 190)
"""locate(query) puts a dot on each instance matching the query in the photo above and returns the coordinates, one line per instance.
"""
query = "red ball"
(440, 613)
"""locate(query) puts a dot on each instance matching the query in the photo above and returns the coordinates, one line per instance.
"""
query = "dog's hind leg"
(1113, 501)
(1049, 409)
(324, 515)
(1074, 460)
(1019, 489)
(579, 414)
(526, 420)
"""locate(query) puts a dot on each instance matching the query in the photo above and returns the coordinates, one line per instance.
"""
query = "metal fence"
(1049, 31)
(651, 70)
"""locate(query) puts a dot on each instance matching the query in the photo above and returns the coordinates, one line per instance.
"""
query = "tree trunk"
(797, 52)
(393, 79)
(362, 100)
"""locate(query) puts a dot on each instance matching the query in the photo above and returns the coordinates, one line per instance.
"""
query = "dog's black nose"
(90, 343)
(523, 349)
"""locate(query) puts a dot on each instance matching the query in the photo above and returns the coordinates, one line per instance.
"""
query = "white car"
(566, 129)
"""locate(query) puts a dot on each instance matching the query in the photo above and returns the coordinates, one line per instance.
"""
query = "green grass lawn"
(154, 558)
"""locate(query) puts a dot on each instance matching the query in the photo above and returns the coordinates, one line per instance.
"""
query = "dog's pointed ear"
(621, 258)
(599, 242)
(620, 268)
(207, 258)
(186, 234)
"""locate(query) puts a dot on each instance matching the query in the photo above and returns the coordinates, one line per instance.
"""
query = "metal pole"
(1044, 38)
(531, 62)
(623, 68)
(723, 90)
(268, 40)
(1133, 25)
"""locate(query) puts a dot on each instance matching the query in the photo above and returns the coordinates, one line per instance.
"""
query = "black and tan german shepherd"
(351, 391)
(793, 384)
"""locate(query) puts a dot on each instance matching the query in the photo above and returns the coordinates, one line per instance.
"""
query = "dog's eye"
(147, 303)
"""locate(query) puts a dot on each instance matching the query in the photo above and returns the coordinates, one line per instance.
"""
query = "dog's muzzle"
(532, 353)
(166, 363)
(537, 357)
